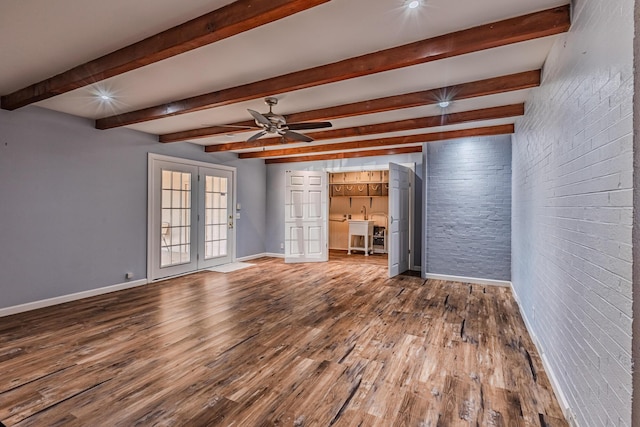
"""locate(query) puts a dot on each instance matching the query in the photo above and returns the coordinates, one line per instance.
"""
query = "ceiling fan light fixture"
(277, 124)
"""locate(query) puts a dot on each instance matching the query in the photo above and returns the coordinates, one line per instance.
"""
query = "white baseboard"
(71, 297)
(553, 379)
(273, 255)
(488, 282)
(250, 257)
(262, 255)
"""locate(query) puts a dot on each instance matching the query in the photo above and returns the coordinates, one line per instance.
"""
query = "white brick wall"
(572, 212)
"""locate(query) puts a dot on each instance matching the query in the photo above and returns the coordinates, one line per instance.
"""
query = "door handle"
(391, 220)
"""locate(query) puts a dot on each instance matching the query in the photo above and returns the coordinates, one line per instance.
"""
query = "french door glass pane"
(215, 217)
(176, 218)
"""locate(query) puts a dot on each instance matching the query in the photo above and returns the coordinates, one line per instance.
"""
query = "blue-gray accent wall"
(73, 203)
(468, 213)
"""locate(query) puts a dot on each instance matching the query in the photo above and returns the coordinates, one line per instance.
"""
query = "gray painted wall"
(276, 192)
(73, 203)
(572, 213)
(468, 230)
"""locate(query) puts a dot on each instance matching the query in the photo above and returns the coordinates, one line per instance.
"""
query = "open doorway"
(371, 216)
(359, 216)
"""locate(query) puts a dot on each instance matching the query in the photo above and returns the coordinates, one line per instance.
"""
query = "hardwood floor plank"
(305, 344)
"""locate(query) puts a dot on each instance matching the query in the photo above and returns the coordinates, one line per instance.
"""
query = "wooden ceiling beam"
(401, 125)
(384, 142)
(187, 135)
(527, 27)
(229, 20)
(492, 86)
(347, 155)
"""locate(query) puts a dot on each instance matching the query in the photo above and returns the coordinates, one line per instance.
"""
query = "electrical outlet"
(129, 276)
(281, 245)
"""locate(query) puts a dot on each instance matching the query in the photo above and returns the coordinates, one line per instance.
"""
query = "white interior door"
(215, 217)
(398, 219)
(306, 217)
(191, 218)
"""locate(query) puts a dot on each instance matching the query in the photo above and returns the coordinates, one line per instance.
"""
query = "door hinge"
(198, 178)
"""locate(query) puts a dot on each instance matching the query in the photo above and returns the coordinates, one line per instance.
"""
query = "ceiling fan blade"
(309, 125)
(236, 127)
(239, 128)
(257, 135)
(297, 136)
(260, 118)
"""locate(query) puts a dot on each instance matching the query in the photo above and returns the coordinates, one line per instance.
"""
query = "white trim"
(478, 281)
(8, 311)
(189, 162)
(150, 203)
(412, 212)
(252, 257)
(261, 255)
(424, 199)
(273, 255)
(362, 168)
(553, 379)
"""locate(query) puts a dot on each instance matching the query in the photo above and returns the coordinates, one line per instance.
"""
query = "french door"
(215, 224)
(191, 220)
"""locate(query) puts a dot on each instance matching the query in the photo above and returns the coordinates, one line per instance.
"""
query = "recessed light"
(105, 97)
(413, 4)
(444, 104)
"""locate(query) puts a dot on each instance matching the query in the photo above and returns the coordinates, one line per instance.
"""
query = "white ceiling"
(42, 38)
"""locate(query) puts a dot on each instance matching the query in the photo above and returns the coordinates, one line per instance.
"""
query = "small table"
(364, 229)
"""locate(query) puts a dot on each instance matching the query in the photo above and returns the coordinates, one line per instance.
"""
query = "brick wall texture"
(468, 229)
(572, 213)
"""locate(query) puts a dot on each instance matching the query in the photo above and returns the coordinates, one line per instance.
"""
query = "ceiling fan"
(276, 124)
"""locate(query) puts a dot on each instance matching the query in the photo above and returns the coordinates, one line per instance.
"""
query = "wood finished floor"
(295, 345)
(358, 258)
